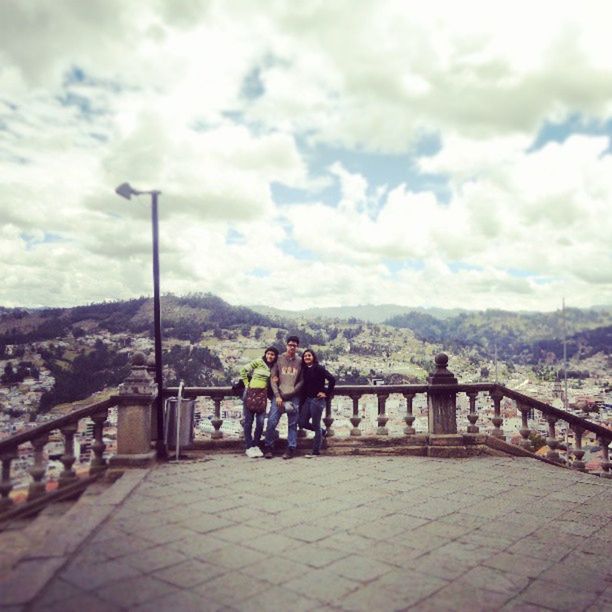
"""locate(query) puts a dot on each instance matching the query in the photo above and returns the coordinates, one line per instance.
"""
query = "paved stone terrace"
(348, 533)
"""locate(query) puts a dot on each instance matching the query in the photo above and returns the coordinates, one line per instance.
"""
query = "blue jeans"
(312, 411)
(249, 417)
(292, 422)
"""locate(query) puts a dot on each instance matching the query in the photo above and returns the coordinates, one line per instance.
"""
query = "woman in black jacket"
(314, 393)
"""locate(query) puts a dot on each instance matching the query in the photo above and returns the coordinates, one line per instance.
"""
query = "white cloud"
(97, 93)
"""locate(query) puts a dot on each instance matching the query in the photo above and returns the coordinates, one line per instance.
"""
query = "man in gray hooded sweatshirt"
(286, 379)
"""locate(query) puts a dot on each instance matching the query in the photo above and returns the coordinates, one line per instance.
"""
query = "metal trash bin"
(186, 424)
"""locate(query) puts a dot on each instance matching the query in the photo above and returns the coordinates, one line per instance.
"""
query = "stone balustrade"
(134, 402)
(441, 394)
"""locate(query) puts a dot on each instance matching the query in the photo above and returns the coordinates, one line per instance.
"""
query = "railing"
(557, 451)
(69, 482)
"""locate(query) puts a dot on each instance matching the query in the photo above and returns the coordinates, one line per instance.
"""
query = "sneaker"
(289, 453)
(257, 452)
(312, 454)
(249, 452)
(268, 454)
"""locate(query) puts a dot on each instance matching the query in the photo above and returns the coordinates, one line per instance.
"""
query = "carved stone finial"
(442, 376)
(138, 381)
(441, 360)
(138, 359)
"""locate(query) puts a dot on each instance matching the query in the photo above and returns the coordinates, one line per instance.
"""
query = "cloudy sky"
(316, 153)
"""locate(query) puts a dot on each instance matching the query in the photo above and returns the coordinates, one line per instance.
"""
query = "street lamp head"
(125, 190)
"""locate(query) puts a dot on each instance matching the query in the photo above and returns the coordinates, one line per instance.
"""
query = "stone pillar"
(136, 397)
(443, 403)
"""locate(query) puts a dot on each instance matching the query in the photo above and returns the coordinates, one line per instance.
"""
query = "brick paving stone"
(411, 585)
(520, 605)
(456, 597)
(271, 543)
(359, 568)
(189, 573)
(557, 597)
(522, 565)
(78, 603)
(234, 557)
(308, 532)
(152, 559)
(164, 534)
(377, 530)
(134, 591)
(576, 528)
(392, 552)
(180, 601)
(276, 598)
(90, 577)
(276, 570)
(440, 565)
(491, 579)
(119, 546)
(231, 588)
(203, 523)
(238, 533)
(373, 597)
(467, 552)
(580, 577)
(444, 530)
(321, 585)
(348, 542)
(197, 546)
(539, 549)
(314, 555)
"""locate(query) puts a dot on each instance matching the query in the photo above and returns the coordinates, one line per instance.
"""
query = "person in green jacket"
(256, 375)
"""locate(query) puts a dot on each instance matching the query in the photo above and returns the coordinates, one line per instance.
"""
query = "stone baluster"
(497, 419)
(382, 417)
(578, 463)
(6, 484)
(217, 421)
(355, 419)
(409, 430)
(442, 403)
(68, 474)
(37, 487)
(525, 431)
(606, 466)
(472, 416)
(136, 399)
(328, 420)
(98, 463)
(552, 442)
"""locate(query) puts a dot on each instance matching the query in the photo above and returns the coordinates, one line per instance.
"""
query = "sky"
(316, 153)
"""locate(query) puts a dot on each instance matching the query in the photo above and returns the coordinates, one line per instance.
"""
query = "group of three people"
(298, 387)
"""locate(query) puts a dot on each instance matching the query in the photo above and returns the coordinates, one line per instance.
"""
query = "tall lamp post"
(125, 190)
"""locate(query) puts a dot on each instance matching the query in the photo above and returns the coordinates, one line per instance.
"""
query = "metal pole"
(566, 399)
(162, 452)
(496, 377)
(179, 401)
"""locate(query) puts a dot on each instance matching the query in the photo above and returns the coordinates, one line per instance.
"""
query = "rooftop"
(225, 532)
